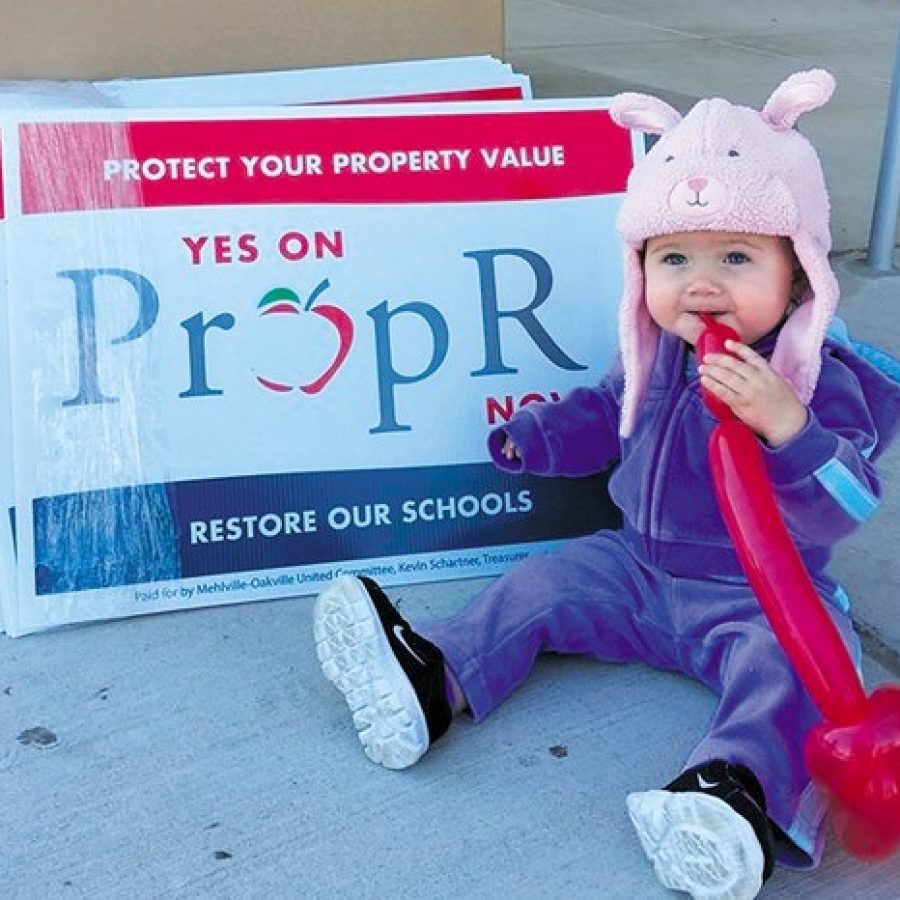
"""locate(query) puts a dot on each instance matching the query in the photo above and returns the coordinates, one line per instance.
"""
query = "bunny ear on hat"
(802, 92)
(643, 113)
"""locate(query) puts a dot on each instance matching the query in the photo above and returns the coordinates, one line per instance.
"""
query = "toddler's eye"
(670, 158)
(733, 153)
(674, 259)
(736, 257)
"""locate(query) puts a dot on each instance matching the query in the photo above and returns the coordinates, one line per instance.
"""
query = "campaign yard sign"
(253, 350)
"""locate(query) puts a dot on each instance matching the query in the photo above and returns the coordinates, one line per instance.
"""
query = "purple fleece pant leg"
(586, 598)
(764, 713)
(598, 597)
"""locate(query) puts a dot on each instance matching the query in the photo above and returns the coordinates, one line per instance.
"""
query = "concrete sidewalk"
(202, 754)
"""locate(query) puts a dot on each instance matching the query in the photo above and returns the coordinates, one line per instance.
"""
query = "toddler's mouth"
(706, 317)
(703, 319)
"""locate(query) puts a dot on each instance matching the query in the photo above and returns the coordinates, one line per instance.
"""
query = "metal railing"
(887, 194)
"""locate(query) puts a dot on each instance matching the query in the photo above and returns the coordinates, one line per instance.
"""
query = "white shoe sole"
(698, 844)
(357, 659)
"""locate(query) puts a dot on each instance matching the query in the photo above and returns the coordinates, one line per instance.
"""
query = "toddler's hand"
(754, 392)
(510, 450)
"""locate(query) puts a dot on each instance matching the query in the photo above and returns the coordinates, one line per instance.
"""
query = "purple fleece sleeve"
(823, 480)
(575, 436)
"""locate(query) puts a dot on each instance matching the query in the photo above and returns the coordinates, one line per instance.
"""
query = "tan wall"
(65, 39)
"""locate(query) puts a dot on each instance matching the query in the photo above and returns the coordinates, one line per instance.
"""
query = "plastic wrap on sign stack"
(231, 381)
(24, 95)
(108, 446)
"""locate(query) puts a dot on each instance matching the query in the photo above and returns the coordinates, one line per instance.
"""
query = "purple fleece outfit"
(667, 589)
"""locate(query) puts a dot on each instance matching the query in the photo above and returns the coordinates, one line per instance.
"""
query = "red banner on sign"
(436, 158)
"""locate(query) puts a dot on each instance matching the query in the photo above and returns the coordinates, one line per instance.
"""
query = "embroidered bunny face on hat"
(728, 168)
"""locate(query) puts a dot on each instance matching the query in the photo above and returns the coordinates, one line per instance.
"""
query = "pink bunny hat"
(728, 168)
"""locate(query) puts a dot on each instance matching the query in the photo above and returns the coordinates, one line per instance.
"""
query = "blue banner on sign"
(148, 533)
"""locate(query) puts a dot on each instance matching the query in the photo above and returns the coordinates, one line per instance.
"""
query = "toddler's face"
(743, 280)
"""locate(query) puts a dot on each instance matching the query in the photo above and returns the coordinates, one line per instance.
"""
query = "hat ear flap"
(797, 354)
(643, 113)
(802, 92)
(638, 340)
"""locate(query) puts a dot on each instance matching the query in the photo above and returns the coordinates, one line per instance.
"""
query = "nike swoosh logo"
(398, 633)
(706, 785)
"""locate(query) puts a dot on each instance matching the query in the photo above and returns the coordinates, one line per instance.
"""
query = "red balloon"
(854, 754)
(712, 340)
(859, 764)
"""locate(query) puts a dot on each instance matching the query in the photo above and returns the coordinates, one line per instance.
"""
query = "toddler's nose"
(702, 285)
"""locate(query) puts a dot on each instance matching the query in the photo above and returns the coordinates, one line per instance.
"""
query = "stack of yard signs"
(245, 349)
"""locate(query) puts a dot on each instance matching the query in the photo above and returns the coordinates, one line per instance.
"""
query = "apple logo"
(282, 301)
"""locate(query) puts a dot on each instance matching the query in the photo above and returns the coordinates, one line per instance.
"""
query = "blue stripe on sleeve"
(841, 599)
(856, 500)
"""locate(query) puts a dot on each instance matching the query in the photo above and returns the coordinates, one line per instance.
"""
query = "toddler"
(726, 216)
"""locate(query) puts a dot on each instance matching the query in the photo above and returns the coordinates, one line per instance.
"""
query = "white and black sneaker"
(707, 832)
(392, 678)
